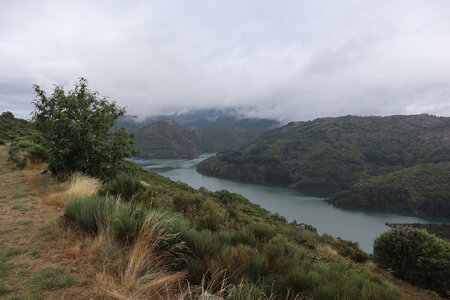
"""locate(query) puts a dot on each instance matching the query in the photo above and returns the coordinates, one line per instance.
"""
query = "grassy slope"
(11, 128)
(424, 188)
(40, 259)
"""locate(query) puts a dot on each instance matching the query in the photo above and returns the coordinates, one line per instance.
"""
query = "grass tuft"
(50, 278)
(145, 271)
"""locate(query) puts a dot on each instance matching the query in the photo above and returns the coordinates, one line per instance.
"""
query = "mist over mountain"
(201, 118)
(187, 135)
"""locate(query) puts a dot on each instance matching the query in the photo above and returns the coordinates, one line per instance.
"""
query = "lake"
(356, 224)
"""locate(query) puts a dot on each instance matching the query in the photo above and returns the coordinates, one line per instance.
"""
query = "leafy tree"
(77, 127)
(416, 256)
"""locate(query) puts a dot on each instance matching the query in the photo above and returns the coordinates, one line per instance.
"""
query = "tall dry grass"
(143, 271)
(78, 186)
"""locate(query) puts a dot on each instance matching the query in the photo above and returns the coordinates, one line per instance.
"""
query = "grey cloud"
(288, 60)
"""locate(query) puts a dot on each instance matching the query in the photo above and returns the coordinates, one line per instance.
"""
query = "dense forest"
(424, 189)
(336, 153)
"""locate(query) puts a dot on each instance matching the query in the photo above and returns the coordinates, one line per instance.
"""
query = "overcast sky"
(290, 60)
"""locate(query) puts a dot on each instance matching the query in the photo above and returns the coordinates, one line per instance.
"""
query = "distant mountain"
(168, 139)
(335, 153)
(203, 118)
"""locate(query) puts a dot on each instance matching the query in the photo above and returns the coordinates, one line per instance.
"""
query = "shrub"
(125, 222)
(416, 256)
(77, 131)
(89, 212)
(36, 151)
(262, 232)
(183, 201)
(209, 216)
(258, 267)
(145, 269)
(124, 186)
(351, 250)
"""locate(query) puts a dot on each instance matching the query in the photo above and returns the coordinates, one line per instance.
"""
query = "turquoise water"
(356, 224)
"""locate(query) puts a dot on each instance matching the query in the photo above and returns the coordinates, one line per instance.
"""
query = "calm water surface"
(356, 224)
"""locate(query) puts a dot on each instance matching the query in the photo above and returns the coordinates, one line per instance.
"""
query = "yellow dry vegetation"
(142, 272)
(79, 185)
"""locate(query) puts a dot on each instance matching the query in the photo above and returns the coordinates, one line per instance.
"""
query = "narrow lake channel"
(355, 224)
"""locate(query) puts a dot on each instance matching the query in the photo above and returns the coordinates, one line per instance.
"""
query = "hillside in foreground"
(45, 255)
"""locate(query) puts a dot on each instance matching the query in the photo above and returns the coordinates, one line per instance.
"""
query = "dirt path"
(38, 260)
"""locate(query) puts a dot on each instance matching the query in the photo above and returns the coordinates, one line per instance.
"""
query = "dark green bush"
(351, 250)
(126, 221)
(183, 201)
(415, 256)
(261, 231)
(77, 130)
(258, 268)
(209, 216)
(123, 185)
(36, 150)
(87, 213)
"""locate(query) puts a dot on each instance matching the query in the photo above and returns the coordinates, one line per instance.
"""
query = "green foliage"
(50, 279)
(12, 128)
(262, 253)
(424, 188)
(209, 216)
(415, 256)
(350, 249)
(77, 131)
(183, 201)
(88, 213)
(123, 185)
(125, 221)
(26, 150)
(334, 153)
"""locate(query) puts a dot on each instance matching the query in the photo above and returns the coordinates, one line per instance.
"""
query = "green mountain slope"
(422, 189)
(335, 153)
(167, 139)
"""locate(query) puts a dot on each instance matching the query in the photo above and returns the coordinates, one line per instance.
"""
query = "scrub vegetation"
(132, 234)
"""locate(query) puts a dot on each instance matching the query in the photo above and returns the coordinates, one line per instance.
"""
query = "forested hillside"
(168, 139)
(424, 189)
(335, 153)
